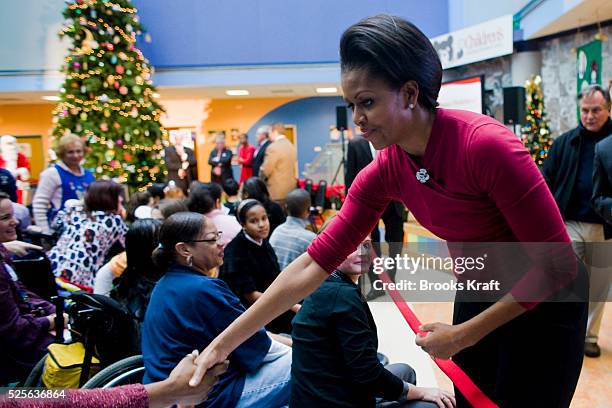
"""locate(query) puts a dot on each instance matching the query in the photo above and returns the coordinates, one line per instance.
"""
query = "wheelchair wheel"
(35, 377)
(127, 371)
(384, 360)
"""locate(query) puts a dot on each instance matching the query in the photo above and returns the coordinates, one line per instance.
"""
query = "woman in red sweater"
(245, 157)
(466, 178)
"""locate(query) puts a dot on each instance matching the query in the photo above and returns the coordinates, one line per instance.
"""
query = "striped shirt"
(290, 240)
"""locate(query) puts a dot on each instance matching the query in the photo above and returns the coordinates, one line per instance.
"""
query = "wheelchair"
(106, 330)
(127, 371)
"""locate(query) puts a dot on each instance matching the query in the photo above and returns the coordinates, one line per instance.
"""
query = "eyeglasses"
(210, 241)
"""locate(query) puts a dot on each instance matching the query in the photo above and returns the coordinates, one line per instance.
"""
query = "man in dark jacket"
(568, 170)
(182, 165)
(220, 160)
(360, 153)
(602, 203)
(263, 141)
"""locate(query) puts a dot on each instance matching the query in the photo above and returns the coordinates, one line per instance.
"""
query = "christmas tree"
(108, 97)
(536, 133)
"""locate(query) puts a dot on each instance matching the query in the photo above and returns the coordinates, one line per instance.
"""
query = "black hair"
(215, 190)
(298, 202)
(140, 241)
(195, 184)
(230, 186)
(136, 200)
(179, 227)
(244, 207)
(8, 184)
(200, 200)
(254, 187)
(396, 51)
(157, 190)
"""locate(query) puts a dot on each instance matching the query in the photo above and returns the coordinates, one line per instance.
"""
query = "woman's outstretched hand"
(207, 359)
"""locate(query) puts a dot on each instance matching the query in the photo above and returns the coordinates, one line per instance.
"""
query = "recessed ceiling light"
(156, 95)
(237, 92)
(51, 98)
(331, 89)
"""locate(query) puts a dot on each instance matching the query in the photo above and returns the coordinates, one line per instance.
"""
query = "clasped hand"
(442, 340)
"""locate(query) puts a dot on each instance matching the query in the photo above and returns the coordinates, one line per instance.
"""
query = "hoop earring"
(189, 260)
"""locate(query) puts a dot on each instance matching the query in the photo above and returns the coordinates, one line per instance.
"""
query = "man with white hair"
(15, 162)
(220, 160)
(181, 163)
(278, 169)
(568, 170)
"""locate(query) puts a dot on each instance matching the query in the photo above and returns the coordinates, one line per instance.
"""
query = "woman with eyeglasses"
(188, 308)
(251, 264)
(336, 325)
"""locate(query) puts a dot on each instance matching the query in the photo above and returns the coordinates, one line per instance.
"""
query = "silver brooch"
(422, 176)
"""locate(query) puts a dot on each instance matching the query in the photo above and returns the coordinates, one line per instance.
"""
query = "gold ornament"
(87, 45)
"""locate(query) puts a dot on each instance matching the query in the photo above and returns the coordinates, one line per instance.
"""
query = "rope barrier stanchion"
(460, 379)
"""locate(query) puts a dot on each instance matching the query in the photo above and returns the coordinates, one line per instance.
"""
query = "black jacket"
(249, 267)
(334, 360)
(561, 165)
(602, 182)
(225, 160)
(259, 158)
(174, 163)
(358, 156)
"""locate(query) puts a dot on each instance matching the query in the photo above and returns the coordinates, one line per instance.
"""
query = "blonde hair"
(65, 142)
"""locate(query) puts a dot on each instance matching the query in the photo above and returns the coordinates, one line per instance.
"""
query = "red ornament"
(110, 46)
(120, 70)
(116, 85)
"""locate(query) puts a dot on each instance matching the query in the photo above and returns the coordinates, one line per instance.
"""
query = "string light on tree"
(536, 133)
(108, 96)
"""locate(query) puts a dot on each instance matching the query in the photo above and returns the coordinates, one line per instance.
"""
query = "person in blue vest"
(63, 181)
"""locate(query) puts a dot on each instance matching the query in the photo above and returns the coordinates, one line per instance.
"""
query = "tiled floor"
(396, 340)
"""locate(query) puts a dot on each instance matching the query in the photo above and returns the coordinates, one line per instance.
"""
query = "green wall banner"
(588, 66)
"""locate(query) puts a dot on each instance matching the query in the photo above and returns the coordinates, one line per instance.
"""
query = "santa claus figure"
(15, 162)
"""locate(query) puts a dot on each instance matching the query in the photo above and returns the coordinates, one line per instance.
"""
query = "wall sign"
(476, 43)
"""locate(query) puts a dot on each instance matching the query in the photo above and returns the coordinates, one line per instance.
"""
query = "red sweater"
(483, 187)
(127, 396)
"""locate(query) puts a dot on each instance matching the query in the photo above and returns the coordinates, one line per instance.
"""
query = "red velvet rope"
(470, 391)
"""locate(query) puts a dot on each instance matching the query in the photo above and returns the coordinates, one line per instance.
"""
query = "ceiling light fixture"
(327, 90)
(53, 98)
(237, 92)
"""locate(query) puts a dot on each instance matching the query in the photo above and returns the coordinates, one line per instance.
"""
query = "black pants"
(405, 373)
(394, 236)
(536, 357)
